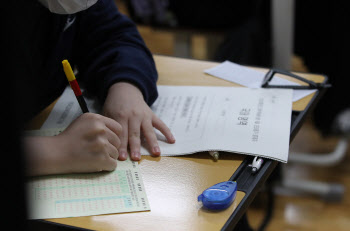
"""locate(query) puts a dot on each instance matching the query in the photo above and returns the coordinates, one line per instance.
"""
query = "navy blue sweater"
(103, 44)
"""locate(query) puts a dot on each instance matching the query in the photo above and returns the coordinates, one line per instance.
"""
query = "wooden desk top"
(173, 183)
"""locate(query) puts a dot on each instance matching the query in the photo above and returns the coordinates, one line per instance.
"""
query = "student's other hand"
(89, 144)
(126, 105)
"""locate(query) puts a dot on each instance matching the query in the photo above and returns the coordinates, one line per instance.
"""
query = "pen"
(74, 85)
(256, 165)
(214, 154)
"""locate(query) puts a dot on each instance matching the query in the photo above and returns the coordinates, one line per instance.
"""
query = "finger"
(113, 125)
(121, 129)
(134, 139)
(112, 138)
(115, 130)
(151, 138)
(112, 151)
(123, 148)
(110, 164)
(108, 155)
(163, 128)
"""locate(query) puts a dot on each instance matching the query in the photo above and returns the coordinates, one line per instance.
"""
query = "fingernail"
(156, 150)
(123, 155)
(136, 155)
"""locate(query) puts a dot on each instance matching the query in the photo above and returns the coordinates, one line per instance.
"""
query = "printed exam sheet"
(88, 194)
(233, 119)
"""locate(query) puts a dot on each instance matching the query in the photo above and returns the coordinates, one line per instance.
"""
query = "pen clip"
(256, 164)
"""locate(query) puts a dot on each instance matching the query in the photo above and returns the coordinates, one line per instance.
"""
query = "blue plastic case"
(219, 196)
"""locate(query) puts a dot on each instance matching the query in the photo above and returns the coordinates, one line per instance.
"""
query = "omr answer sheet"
(233, 119)
(87, 194)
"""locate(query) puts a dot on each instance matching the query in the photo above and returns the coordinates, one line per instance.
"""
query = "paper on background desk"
(233, 119)
(58, 196)
(251, 78)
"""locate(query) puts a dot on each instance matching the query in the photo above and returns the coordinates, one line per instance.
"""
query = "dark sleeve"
(109, 49)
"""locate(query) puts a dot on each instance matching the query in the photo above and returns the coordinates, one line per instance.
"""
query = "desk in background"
(173, 183)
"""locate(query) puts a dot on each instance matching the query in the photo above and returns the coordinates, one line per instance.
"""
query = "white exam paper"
(251, 78)
(233, 119)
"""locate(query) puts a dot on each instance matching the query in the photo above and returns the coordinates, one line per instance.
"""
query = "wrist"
(124, 87)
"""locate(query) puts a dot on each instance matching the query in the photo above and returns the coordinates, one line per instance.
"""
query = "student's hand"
(89, 144)
(126, 105)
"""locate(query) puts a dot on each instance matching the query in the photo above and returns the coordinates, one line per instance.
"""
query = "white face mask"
(67, 6)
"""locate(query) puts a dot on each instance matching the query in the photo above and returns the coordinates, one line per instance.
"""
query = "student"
(113, 63)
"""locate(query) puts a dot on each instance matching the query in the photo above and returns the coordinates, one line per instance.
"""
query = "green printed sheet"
(88, 194)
